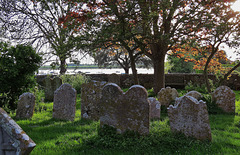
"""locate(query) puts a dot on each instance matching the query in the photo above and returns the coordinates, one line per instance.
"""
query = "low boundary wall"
(176, 80)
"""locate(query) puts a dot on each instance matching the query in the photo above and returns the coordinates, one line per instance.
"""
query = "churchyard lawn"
(83, 137)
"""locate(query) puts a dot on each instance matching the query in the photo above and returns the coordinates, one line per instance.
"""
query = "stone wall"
(174, 80)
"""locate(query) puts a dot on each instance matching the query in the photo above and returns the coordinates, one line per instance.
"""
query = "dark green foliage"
(180, 66)
(17, 67)
(211, 105)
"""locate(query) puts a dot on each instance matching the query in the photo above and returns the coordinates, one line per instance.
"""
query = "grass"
(56, 137)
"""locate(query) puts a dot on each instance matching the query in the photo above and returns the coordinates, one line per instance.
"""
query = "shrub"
(75, 81)
(17, 67)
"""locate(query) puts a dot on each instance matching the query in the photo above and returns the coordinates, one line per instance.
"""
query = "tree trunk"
(134, 70)
(63, 66)
(126, 69)
(159, 76)
(159, 51)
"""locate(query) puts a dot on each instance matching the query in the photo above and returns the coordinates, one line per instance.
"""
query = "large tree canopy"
(37, 22)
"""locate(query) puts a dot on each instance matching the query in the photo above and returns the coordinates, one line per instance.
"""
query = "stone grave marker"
(190, 117)
(224, 97)
(50, 85)
(167, 95)
(25, 107)
(155, 108)
(195, 94)
(64, 104)
(114, 78)
(125, 111)
(13, 140)
(91, 94)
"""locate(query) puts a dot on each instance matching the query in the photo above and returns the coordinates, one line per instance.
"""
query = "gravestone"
(91, 94)
(195, 94)
(155, 108)
(50, 85)
(114, 78)
(167, 95)
(13, 140)
(190, 117)
(224, 97)
(64, 104)
(125, 111)
(25, 107)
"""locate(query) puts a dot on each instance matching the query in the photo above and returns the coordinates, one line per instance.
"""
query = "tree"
(118, 55)
(37, 22)
(17, 67)
(161, 24)
(220, 24)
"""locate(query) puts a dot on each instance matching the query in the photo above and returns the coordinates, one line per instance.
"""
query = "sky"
(230, 52)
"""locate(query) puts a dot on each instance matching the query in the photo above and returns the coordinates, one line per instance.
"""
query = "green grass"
(55, 137)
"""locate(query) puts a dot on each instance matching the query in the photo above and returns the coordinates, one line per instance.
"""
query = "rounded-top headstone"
(167, 95)
(224, 97)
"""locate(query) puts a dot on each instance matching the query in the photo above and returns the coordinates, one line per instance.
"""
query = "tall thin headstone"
(155, 108)
(25, 107)
(50, 85)
(125, 111)
(64, 105)
(91, 94)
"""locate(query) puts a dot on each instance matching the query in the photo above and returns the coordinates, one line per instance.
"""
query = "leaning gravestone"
(50, 85)
(190, 117)
(91, 94)
(13, 140)
(195, 94)
(114, 78)
(64, 105)
(125, 111)
(155, 108)
(167, 95)
(25, 107)
(224, 97)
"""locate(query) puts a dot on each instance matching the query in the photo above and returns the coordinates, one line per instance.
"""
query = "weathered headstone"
(91, 94)
(125, 111)
(190, 117)
(114, 78)
(50, 85)
(155, 108)
(195, 94)
(13, 140)
(64, 105)
(25, 107)
(167, 95)
(224, 97)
